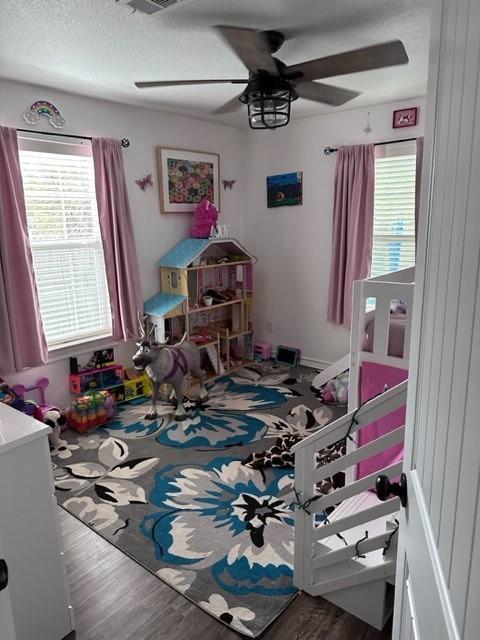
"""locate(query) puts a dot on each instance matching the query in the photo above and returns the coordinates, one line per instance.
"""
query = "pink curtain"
(418, 183)
(118, 238)
(352, 228)
(22, 341)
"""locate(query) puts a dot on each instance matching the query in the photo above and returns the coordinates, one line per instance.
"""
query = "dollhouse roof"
(182, 254)
(162, 303)
(185, 252)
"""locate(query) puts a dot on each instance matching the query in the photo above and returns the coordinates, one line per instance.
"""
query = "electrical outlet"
(269, 326)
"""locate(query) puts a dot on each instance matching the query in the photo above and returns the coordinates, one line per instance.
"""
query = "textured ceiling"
(99, 47)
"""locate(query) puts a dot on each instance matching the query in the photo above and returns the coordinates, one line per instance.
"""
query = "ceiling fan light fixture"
(272, 85)
(269, 109)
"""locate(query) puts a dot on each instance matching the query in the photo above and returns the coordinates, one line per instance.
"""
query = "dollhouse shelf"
(192, 270)
(215, 306)
(233, 263)
(204, 345)
(229, 335)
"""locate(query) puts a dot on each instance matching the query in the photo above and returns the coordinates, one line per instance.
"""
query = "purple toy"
(28, 406)
(206, 216)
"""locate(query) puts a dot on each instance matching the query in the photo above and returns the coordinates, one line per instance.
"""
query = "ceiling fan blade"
(251, 47)
(179, 83)
(319, 92)
(230, 106)
(387, 54)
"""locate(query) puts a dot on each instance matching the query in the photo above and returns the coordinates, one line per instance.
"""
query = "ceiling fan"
(272, 85)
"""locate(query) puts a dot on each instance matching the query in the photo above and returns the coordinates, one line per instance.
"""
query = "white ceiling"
(99, 48)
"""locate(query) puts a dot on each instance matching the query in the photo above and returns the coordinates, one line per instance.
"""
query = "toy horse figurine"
(168, 364)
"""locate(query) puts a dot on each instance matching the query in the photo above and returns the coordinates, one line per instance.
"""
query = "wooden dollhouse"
(207, 293)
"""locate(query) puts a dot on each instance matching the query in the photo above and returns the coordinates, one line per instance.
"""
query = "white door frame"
(441, 446)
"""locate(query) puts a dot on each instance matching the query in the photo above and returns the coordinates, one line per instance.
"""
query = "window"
(394, 208)
(65, 239)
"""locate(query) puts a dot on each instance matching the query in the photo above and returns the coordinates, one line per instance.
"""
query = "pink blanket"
(374, 377)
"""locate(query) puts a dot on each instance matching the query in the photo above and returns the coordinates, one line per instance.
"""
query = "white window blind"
(394, 210)
(66, 243)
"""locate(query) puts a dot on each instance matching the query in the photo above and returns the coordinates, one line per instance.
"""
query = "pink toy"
(43, 412)
(206, 216)
(262, 351)
(29, 407)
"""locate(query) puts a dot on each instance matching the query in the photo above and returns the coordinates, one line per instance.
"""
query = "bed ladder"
(354, 570)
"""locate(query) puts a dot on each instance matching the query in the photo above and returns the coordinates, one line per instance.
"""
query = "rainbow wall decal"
(44, 108)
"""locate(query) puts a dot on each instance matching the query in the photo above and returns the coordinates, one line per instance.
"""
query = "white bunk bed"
(357, 576)
(383, 290)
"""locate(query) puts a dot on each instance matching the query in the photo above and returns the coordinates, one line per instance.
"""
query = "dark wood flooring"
(117, 599)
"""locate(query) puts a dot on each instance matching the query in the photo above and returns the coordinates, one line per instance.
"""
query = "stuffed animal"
(6, 393)
(55, 419)
(336, 390)
(206, 216)
(9, 396)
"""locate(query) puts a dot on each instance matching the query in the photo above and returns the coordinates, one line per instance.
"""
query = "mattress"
(396, 334)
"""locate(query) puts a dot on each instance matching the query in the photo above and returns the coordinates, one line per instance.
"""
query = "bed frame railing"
(391, 286)
(338, 569)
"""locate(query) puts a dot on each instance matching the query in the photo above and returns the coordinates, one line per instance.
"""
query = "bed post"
(302, 575)
(356, 342)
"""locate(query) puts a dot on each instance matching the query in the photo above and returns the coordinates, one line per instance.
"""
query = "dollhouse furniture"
(207, 293)
(34, 598)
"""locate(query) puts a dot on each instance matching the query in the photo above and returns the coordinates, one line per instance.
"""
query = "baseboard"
(314, 363)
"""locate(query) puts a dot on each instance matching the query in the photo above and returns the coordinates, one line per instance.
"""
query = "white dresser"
(35, 604)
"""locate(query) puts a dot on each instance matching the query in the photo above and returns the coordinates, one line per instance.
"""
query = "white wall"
(155, 233)
(293, 244)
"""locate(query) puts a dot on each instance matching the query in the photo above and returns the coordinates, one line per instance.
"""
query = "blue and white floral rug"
(177, 498)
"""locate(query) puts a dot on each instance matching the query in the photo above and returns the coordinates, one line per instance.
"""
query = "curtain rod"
(329, 150)
(125, 141)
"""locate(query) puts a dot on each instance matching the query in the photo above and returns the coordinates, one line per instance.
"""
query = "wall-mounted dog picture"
(285, 189)
(185, 178)
(405, 117)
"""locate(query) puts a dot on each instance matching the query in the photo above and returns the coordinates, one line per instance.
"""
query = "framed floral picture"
(185, 177)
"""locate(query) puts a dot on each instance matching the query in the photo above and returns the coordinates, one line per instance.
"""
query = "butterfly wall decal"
(145, 182)
(228, 184)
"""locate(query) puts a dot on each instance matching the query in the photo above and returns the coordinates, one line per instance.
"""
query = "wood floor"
(116, 599)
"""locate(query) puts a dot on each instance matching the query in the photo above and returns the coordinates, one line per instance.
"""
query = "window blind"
(394, 214)
(66, 244)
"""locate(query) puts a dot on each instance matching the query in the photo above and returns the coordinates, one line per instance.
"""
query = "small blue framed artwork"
(285, 189)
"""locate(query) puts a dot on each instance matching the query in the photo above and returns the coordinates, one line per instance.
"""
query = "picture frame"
(405, 118)
(285, 189)
(185, 177)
